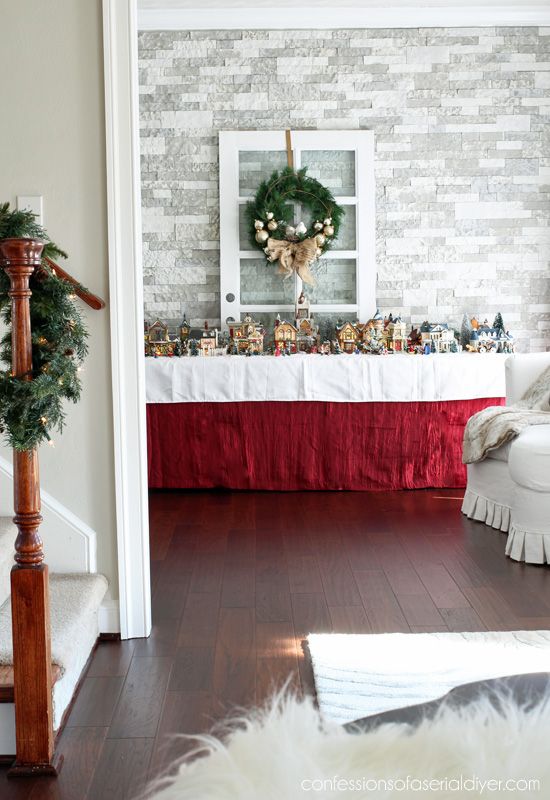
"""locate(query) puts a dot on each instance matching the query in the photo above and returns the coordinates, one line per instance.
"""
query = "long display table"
(315, 422)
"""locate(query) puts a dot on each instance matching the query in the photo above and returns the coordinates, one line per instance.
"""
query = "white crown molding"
(73, 548)
(151, 19)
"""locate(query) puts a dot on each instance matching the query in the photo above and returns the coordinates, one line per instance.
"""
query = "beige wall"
(52, 143)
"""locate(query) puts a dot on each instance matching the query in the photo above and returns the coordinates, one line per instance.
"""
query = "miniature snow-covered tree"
(465, 331)
(498, 324)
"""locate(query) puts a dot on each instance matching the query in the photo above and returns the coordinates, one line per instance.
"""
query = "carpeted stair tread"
(73, 598)
(6, 682)
(8, 532)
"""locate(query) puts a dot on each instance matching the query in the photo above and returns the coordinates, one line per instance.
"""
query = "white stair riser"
(7, 729)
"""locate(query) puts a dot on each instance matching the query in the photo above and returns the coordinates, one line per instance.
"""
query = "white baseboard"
(109, 616)
(70, 545)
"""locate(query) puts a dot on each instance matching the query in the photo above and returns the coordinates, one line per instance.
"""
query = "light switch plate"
(32, 203)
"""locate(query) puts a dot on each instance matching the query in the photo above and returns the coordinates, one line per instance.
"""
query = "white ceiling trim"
(151, 19)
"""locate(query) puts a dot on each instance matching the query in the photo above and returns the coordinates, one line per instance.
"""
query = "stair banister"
(90, 299)
(32, 661)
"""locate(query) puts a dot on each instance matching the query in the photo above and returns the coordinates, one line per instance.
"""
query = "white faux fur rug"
(287, 752)
(360, 675)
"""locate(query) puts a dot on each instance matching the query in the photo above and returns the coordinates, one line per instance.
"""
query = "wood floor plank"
(207, 573)
(239, 583)
(161, 642)
(192, 669)
(304, 575)
(185, 713)
(420, 609)
(121, 772)
(96, 701)
(338, 582)
(441, 587)
(462, 619)
(429, 628)
(272, 590)
(383, 611)
(138, 710)
(276, 659)
(310, 614)
(241, 544)
(386, 548)
(169, 598)
(403, 578)
(349, 619)
(491, 609)
(199, 622)
(234, 679)
(81, 749)
(111, 658)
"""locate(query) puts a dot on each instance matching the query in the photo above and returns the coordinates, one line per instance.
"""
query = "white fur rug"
(288, 752)
(360, 675)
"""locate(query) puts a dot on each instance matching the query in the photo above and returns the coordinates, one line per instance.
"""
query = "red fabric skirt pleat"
(291, 446)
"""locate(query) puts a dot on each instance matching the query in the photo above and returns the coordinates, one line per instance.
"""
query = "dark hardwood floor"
(239, 579)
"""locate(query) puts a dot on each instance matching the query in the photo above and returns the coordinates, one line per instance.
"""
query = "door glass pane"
(256, 166)
(347, 238)
(335, 281)
(244, 243)
(335, 169)
(262, 285)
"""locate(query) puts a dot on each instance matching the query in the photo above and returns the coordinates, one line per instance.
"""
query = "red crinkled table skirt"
(291, 446)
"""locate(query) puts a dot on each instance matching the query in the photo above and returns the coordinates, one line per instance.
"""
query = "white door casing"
(126, 307)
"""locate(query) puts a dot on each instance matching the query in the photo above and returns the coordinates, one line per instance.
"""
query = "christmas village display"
(379, 336)
(297, 247)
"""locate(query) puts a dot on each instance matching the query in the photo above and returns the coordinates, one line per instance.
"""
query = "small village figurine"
(438, 336)
(307, 334)
(285, 334)
(485, 338)
(246, 336)
(157, 340)
(347, 336)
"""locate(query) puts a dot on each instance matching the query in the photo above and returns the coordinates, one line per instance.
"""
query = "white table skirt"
(338, 379)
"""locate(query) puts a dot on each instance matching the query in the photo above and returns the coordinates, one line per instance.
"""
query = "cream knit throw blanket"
(496, 425)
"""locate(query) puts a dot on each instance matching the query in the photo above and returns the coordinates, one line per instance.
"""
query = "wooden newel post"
(29, 576)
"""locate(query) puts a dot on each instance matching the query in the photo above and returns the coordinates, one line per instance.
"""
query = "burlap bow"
(293, 257)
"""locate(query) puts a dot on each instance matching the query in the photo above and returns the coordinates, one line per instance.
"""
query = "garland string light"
(31, 409)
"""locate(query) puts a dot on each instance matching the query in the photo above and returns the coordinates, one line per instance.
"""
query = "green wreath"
(270, 221)
(29, 410)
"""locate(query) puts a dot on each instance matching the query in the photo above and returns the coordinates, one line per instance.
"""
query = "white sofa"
(510, 489)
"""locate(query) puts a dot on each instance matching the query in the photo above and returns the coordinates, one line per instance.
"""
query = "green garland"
(30, 410)
(273, 205)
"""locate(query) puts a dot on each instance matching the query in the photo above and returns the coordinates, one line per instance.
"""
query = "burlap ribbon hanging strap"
(293, 257)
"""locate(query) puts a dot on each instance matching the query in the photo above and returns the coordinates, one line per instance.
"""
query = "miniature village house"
(208, 341)
(157, 340)
(493, 338)
(377, 322)
(246, 336)
(307, 334)
(347, 336)
(438, 337)
(285, 335)
(184, 329)
(395, 335)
